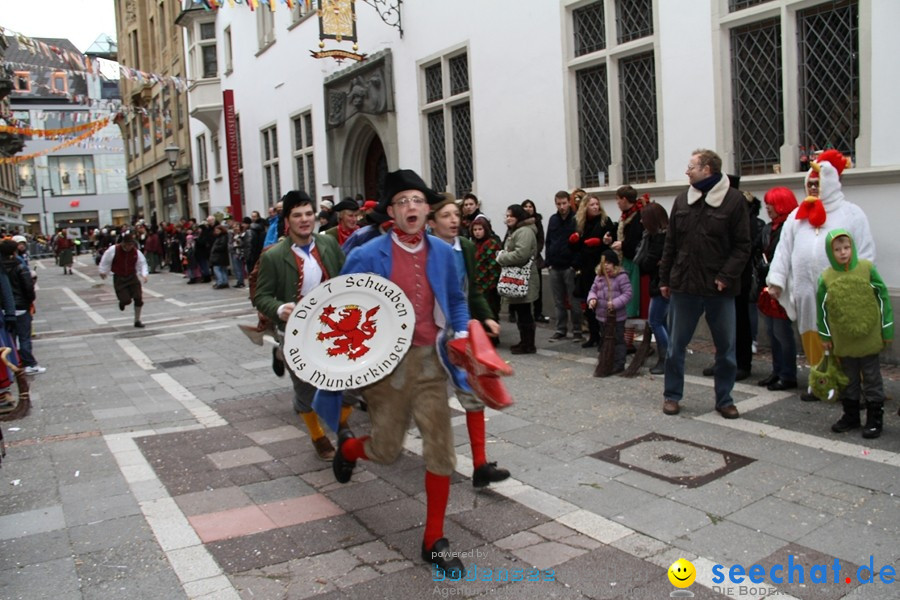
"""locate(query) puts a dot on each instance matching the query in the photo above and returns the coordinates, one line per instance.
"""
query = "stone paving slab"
(811, 493)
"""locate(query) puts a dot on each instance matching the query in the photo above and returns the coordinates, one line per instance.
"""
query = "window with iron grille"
(459, 74)
(593, 124)
(271, 176)
(448, 124)
(615, 90)
(826, 51)
(634, 19)
(437, 152)
(637, 93)
(304, 167)
(756, 96)
(828, 55)
(433, 83)
(735, 5)
(462, 148)
(587, 27)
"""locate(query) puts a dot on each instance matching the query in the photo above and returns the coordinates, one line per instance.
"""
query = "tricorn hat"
(406, 179)
(346, 204)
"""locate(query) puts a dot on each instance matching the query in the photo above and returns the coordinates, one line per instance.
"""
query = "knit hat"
(406, 179)
(369, 205)
(327, 204)
(293, 199)
(611, 257)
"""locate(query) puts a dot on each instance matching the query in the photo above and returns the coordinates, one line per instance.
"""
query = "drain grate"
(178, 362)
(680, 462)
(670, 458)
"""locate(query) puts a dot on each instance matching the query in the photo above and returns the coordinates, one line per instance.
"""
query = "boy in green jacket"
(855, 321)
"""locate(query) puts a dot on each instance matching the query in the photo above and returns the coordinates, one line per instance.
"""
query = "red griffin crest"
(348, 335)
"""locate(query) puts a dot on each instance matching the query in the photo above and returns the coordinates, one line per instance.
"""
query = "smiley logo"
(682, 573)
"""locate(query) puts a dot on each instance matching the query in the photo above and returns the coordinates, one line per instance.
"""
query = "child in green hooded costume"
(855, 321)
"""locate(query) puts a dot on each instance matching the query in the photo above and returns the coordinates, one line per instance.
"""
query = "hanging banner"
(231, 151)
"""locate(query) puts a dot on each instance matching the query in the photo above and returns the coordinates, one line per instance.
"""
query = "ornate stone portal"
(360, 105)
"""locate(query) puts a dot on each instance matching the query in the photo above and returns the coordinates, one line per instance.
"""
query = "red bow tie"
(812, 208)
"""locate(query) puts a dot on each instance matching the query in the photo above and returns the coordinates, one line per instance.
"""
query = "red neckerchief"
(778, 220)
(410, 239)
(638, 206)
(343, 234)
(812, 208)
(299, 262)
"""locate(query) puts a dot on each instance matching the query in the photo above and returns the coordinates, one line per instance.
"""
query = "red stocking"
(437, 492)
(475, 425)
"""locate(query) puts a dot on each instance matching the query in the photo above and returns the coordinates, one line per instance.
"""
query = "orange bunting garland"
(54, 132)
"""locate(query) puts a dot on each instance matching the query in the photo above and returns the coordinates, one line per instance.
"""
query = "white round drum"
(349, 332)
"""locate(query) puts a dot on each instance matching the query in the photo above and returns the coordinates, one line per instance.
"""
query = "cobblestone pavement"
(166, 463)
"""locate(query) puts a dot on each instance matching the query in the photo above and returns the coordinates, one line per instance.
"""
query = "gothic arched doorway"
(375, 169)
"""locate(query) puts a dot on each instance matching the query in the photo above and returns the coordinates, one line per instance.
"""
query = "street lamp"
(46, 224)
(172, 155)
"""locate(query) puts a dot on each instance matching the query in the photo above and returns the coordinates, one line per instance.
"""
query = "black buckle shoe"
(277, 363)
(768, 380)
(488, 473)
(343, 468)
(442, 558)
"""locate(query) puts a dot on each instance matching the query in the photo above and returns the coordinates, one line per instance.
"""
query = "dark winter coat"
(560, 254)
(707, 239)
(20, 281)
(218, 255)
(648, 260)
(588, 256)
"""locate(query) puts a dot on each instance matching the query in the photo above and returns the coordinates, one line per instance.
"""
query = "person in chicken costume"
(800, 257)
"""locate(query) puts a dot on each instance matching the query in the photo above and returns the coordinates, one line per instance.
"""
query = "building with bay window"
(516, 100)
(152, 54)
(80, 186)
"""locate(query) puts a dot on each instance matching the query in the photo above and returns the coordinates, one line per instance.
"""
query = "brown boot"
(324, 448)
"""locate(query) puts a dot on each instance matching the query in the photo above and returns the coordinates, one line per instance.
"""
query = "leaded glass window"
(637, 92)
(593, 124)
(448, 121)
(587, 25)
(757, 95)
(828, 55)
(433, 86)
(437, 153)
(462, 148)
(634, 19)
(459, 74)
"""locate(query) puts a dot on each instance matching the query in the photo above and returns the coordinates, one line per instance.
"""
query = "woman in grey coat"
(520, 247)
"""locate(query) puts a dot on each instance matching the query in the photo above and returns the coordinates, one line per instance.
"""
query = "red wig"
(782, 199)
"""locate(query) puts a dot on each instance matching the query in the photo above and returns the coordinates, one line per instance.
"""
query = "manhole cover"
(178, 362)
(674, 460)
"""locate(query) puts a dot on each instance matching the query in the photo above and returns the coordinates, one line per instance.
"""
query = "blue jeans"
(684, 314)
(221, 275)
(23, 332)
(237, 267)
(562, 284)
(657, 317)
(784, 348)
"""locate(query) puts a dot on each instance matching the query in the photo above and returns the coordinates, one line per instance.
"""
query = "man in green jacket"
(444, 220)
(289, 270)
